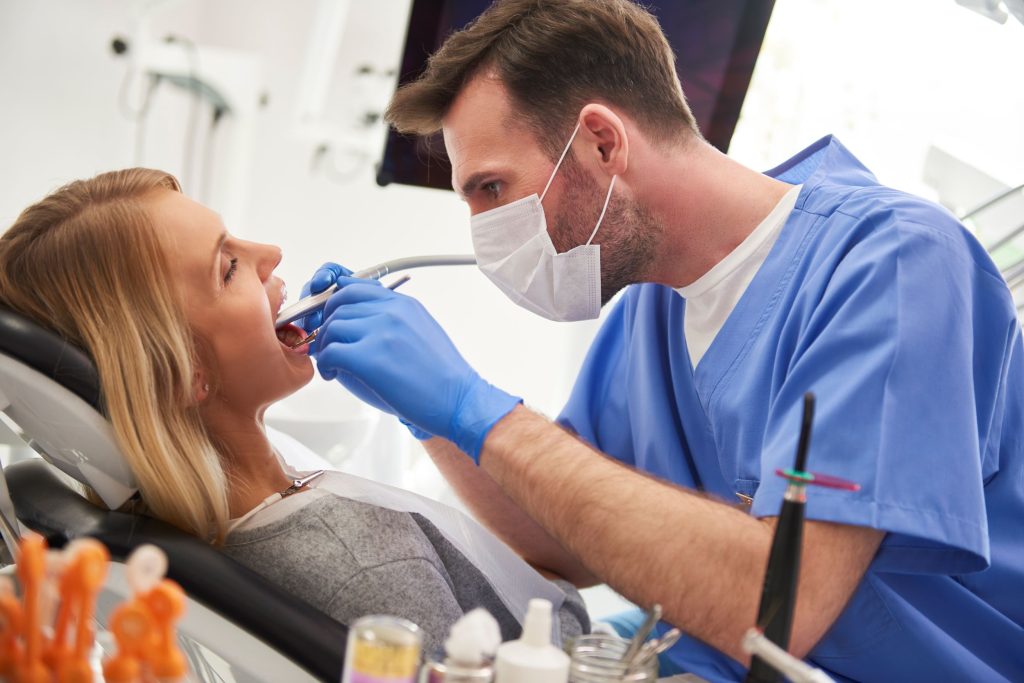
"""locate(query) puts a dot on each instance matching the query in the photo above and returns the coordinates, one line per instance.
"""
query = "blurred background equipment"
(716, 46)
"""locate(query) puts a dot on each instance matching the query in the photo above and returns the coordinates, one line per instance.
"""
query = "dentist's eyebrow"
(474, 181)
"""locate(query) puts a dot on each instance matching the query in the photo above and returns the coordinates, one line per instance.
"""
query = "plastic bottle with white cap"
(532, 658)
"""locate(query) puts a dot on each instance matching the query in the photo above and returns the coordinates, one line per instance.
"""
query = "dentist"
(585, 174)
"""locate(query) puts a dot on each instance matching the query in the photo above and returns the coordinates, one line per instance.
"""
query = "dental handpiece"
(307, 305)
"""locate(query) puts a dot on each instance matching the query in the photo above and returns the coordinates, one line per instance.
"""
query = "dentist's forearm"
(495, 510)
(653, 542)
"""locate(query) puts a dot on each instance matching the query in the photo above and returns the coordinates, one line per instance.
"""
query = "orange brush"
(134, 631)
(10, 627)
(166, 603)
(81, 583)
(30, 570)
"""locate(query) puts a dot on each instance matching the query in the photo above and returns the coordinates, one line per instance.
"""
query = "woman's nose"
(270, 257)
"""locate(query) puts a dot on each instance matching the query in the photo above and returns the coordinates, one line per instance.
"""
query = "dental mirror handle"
(304, 307)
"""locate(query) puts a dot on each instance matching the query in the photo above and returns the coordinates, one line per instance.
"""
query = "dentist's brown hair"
(553, 57)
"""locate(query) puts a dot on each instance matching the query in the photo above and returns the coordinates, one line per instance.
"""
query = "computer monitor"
(716, 44)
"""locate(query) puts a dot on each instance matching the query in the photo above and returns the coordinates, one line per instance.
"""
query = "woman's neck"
(251, 466)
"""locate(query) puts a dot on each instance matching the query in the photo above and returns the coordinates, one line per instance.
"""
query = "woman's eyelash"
(232, 267)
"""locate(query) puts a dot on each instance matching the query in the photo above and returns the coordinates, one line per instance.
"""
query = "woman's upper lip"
(282, 292)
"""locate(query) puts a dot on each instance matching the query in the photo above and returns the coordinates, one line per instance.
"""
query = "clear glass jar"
(382, 649)
(598, 659)
(438, 672)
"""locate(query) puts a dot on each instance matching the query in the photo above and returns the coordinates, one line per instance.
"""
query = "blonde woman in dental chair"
(178, 316)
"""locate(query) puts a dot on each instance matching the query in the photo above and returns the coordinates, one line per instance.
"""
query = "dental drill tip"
(308, 339)
(399, 282)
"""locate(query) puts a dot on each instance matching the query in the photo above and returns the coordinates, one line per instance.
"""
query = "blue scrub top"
(886, 308)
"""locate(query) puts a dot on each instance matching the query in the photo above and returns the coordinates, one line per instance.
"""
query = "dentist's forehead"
(480, 129)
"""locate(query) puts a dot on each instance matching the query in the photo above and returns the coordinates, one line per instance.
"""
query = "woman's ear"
(200, 387)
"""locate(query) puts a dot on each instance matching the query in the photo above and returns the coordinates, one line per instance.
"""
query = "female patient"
(178, 316)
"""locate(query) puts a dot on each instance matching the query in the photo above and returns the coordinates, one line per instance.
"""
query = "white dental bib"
(514, 581)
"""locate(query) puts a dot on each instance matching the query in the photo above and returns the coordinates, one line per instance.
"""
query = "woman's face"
(231, 299)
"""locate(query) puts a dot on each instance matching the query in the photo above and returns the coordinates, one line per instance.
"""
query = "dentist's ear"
(603, 133)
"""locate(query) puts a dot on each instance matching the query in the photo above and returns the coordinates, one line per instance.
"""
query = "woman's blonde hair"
(87, 263)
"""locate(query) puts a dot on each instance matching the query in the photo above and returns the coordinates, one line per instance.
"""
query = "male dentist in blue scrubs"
(585, 174)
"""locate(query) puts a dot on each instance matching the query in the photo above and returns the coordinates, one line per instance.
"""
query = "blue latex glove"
(323, 278)
(391, 346)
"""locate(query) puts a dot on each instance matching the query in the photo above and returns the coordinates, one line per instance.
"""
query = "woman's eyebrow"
(216, 251)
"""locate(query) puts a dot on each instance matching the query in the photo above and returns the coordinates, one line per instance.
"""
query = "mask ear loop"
(600, 218)
(560, 159)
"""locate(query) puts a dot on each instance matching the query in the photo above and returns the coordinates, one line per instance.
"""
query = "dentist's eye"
(232, 267)
(492, 188)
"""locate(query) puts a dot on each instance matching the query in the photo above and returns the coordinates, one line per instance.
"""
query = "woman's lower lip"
(302, 350)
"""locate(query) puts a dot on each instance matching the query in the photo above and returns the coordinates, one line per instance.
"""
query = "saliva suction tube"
(305, 306)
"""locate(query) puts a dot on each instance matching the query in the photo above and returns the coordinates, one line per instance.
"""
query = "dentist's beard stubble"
(628, 236)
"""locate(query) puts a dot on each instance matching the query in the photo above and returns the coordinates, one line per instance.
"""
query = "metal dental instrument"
(312, 335)
(654, 647)
(304, 307)
(653, 616)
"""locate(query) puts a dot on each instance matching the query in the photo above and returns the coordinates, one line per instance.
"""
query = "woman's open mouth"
(290, 336)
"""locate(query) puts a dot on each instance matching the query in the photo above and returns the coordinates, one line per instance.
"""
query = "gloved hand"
(324, 277)
(389, 346)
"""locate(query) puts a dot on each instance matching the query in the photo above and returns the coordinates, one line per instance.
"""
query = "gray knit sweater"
(351, 559)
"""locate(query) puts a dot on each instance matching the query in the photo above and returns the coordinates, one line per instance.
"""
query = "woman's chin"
(298, 371)
(304, 371)
(297, 377)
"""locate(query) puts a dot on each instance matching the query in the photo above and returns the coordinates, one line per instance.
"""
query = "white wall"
(59, 120)
(889, 79)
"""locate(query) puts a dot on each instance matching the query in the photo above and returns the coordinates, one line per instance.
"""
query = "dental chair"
(237, 625)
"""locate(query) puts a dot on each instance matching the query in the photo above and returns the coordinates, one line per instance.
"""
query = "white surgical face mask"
(514, 250)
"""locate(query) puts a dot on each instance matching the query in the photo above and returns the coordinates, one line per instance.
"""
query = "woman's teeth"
(290, 335)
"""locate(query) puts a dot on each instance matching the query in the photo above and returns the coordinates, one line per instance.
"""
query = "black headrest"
(297, 630)
(46, 352)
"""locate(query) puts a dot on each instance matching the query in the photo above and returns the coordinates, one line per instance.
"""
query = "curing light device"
(778, 598)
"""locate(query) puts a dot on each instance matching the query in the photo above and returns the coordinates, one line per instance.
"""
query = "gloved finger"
(353, 291)
(341, 331)
(311, 322)
(325, 276)
(364, 310)
(315, 319)
(355, 347)
(337, 358)
(363, 392)
(322, 278)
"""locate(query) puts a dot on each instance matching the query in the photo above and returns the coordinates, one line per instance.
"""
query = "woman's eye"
(232, 267)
